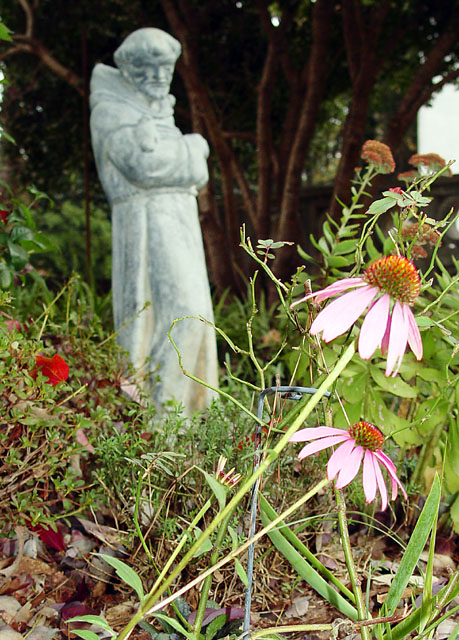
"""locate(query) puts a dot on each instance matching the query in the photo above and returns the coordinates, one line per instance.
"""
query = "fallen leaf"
(298, 608)
(7, 633)
(42, 633)
(9, 607)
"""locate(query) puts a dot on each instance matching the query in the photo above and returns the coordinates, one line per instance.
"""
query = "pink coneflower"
(388, 286)
(362, 441)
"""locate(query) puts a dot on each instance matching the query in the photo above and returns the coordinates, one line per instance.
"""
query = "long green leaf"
(307, 572)
(126, 574)
(86, 634)
(304, 551)
(414, 549)
(176, 625)
(217, 488)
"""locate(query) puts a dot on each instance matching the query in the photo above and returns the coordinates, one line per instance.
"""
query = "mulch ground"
(48, 577)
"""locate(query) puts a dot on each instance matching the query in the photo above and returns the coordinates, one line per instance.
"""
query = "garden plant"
(393, 384)
(367, 326)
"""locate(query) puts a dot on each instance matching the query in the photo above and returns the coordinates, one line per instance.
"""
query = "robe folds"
(150, 173)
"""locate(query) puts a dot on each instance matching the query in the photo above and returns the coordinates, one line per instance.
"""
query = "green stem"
(355, 580)
(272, 455)
(208, 581)
(295, 628)
(179, 547)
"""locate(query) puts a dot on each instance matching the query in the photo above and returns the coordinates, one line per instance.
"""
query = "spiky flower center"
(395, 275)
(367, 435)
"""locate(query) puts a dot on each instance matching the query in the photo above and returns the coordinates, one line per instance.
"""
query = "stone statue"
(150, 173)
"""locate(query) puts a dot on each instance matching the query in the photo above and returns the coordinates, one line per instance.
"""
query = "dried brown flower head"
(379, 154)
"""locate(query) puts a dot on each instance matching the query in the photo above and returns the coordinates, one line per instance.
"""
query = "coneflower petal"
(414, 336)
(322, 443)
(369, 477)
(339, 457)
(397, 340)
(350, 468)
(341, 314)
(374, 327)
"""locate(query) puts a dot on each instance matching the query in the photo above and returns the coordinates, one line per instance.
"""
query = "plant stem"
(208, 581)
(355, 580)
(272, 455)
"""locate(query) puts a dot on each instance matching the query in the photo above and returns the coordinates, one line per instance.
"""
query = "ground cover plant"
(367, 340)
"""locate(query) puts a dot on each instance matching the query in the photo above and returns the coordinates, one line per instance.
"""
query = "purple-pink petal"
(339, 457)
(397, 340)
(333, 289)
(374, 327)
(322, 443)
(311, 433)
(369, 476)
(350, 469)
(392, 471)
(338, 287)
(341, 314)
(381, 485)
(414, 336)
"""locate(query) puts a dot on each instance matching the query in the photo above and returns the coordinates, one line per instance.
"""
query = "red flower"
(4, 215)
(55, 369)
(397, 190)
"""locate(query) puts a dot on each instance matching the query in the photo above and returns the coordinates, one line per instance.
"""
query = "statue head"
(146, 59)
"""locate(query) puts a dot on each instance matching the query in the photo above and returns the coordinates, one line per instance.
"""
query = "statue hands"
(146, 134)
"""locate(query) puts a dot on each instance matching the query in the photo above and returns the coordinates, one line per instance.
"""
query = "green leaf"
(424, 321)
(301, 565)
(382, 205)
(126, 574)
(215, 625)
(241, 572)
(344, 247)
(234, 538)
(5, 35)
(371, 249)
(432, 375)
(396, 385)
(100, 622)
(19, 233)
(175, 624)
(338, 261)
(6, 277)
(353, 388)
(414, 549)
(217, 488)
(304, 255)
(454, 514)
(205, 546)
(19, 256)
(85, 634)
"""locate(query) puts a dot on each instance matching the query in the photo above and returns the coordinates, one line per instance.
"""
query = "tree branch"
(421, 88)
(29, 17)
(264, 142)
(318, 70)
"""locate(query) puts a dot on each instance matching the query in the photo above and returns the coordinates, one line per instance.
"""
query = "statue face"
(152, 77)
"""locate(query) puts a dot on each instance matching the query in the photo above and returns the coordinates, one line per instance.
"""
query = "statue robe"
(150, 173)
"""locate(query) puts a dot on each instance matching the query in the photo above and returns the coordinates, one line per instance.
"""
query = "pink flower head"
(389, 286)
(55, 368)
(397, 190)
(362, 441)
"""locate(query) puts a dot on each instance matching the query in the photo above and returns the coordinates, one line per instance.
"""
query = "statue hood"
(109, 86)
